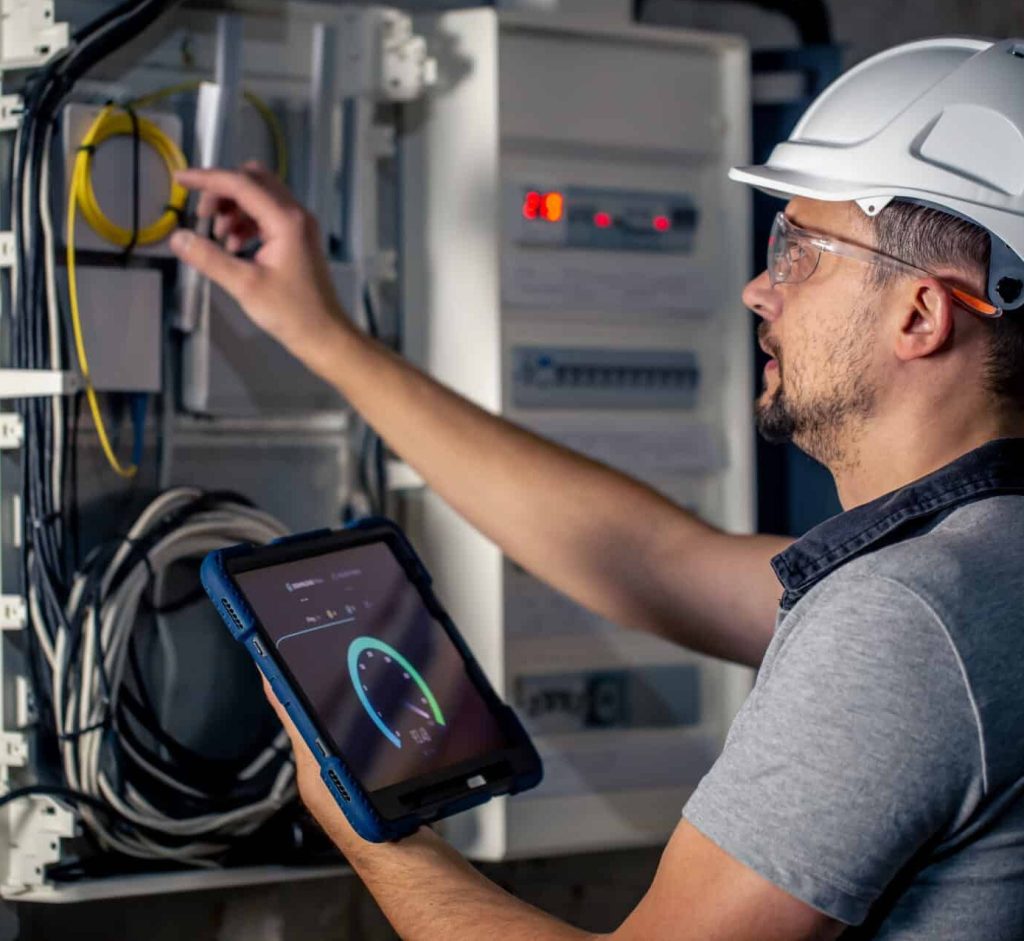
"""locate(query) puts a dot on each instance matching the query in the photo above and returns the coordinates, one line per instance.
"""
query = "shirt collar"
(996, 467)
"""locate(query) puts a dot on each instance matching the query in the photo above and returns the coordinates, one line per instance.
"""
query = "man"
(874, 777)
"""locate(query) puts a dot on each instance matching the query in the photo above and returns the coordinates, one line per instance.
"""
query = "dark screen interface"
(382, 676)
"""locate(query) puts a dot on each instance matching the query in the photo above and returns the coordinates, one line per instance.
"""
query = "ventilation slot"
(231, 613)
(338, 786)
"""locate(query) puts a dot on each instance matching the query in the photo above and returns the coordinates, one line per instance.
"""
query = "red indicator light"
(603, 220)
(662, 223)
(554, 207)
(531, 205)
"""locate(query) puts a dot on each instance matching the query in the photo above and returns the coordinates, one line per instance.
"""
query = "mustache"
(768, 343)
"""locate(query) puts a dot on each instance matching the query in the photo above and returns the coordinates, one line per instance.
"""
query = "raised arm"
(607, 541)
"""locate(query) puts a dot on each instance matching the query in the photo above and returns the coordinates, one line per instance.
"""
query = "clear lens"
(791, 259)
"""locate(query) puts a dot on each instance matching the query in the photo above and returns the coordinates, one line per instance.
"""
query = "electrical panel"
(568, 261)
(587, 256)
(560, 377)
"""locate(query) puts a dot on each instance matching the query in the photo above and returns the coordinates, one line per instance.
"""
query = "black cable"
(45, 562)
(185, 600)
(51, 547)
(136, 195)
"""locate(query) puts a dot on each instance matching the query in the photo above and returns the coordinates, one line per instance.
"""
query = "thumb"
(210, 260)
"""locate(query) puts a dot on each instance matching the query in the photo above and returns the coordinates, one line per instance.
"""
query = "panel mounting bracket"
(6, 243)
(29, 37)
(35, 383)
(12, 107)
(13, 612)
(12, 431)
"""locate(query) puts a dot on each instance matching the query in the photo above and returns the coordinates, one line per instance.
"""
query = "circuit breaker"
(585, 256)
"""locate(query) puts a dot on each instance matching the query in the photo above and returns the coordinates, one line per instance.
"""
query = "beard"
(825, 424)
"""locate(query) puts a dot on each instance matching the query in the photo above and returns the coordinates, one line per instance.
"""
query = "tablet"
(401, 718)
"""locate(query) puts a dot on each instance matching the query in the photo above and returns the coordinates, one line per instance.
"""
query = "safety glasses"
(793, 255)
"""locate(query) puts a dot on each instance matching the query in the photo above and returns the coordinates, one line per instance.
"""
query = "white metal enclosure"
(616, 118)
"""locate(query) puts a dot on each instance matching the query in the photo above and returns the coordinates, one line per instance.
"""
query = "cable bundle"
(37, 339)
(164, 801)
(139, 791)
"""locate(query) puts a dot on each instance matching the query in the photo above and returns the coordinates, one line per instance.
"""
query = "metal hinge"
(12, 431)
(13, 612)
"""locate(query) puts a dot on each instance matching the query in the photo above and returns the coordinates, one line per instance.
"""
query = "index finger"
(251, 196)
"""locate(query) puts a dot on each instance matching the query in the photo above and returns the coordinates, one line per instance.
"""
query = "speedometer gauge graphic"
(393, 693)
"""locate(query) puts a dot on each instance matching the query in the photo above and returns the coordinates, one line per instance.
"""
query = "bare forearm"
(459, 905)
(607, 541)
(586, 529)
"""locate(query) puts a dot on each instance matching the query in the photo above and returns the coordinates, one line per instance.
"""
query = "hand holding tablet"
(403, 723)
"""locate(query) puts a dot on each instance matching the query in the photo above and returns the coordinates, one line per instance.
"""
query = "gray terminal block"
(592, 377)
(122, 318)
(638, 697)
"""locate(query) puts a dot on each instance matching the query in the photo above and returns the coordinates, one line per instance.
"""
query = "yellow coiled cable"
(81, 195)
(112, 123)
(270, 119)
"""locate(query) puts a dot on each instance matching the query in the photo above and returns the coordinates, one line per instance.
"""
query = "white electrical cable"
(84, 710)
(53, 316)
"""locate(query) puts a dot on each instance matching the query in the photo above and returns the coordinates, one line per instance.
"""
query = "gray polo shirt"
(876, 771)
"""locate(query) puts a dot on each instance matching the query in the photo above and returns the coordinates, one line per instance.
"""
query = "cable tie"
(134, 240)
(142, 554)
(104, 723)
(88, 148)
(179, 211)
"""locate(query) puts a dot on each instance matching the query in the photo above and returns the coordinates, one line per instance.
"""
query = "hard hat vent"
(1009, 290)
(979, 143)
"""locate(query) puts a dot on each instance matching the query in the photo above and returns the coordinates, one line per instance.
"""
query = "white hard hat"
(938, 122)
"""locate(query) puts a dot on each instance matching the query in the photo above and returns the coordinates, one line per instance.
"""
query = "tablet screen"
(380, 674)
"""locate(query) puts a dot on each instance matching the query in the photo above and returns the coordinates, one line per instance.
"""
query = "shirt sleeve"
(857, 746)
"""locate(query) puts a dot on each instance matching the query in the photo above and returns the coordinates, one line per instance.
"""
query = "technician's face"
(821, 332)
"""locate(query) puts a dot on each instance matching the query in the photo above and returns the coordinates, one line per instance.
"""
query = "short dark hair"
(930, 238)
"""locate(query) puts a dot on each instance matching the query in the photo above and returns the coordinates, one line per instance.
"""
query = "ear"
(926, 319)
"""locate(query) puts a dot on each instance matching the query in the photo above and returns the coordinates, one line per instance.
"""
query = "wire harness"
(164, 801)
(34, 331)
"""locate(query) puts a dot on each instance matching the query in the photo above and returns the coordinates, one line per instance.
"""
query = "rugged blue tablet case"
(342, 784)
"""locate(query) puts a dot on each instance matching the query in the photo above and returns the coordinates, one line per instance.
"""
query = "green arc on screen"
(361, 644)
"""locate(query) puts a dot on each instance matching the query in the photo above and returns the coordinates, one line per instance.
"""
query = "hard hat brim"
(788, 183)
